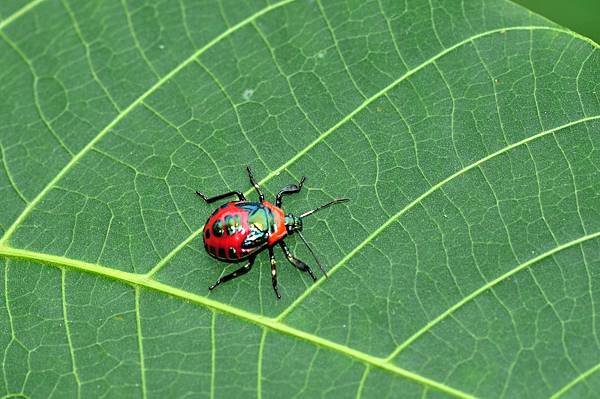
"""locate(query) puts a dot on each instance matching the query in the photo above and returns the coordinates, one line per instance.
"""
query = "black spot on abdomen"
(217, 228)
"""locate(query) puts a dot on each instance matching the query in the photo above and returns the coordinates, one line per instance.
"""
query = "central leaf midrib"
(138, 280)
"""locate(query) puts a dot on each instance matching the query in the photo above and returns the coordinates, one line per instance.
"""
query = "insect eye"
(218, 228)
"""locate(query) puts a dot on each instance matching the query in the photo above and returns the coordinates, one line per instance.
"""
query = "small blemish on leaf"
(322, 54)
(247, 94)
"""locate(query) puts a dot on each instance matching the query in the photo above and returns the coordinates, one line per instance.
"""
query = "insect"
(239, 230)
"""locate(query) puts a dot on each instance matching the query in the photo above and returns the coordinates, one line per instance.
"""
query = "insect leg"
(220, 196)
(298, 264)
(261, 196)
(242, 270)
(274, 272)
(291, 189)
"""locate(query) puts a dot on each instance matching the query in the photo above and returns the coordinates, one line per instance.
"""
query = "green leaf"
(466, 134)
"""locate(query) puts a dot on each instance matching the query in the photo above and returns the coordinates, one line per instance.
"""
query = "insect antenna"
(312, 253)
(307, 213)
(335, 201)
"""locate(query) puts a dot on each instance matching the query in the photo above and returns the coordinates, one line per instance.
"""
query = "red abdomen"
(236, 230)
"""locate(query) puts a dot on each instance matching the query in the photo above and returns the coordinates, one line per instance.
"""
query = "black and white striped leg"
(298, 264)
(261, 196)
(239, 272)
(274, 272)
(291, 189)
(220, 196)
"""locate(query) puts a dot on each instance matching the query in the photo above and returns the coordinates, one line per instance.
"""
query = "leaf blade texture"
(465, 133)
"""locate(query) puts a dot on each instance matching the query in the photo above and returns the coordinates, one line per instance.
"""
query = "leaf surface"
(466, 135)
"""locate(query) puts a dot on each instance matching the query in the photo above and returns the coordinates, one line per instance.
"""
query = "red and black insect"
(239, 230)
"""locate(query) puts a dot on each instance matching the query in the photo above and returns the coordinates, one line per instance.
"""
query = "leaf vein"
(140, 342)
(349, 116)
(420, 198)
(213, 353)
(88, 55)
(135, 38)
(581, 377)
(27, 210)
(139, 281)
(487, 286)
(259, 364)
(19, 13)
(337, 49)
(9, 176)
(68, 331)
(35, 93)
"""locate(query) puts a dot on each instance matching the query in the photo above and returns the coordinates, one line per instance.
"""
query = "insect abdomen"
(225, 232)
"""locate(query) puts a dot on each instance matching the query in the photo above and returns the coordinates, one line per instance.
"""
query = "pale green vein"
(337, 48)
(259, 367)
(277, 65)
(36, 99)
(417, 200)
(19, 395)
(10, 323)
(391, 32)
(265, 322)
(68, 331)
(350, 115)
(9, 232)
(234, 107)
(88, 56)
(135, 38)
(140, 340)
(213, 354)
(19, 13)
(575, 381)
(307, 375)
(488, 286)
(9, 175)
(361, 385)
(386, 89)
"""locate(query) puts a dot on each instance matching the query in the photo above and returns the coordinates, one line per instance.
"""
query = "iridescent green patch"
(259, 219)
(233, 224)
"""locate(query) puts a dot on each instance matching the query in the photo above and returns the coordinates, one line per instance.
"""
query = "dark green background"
(582, 16)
